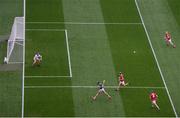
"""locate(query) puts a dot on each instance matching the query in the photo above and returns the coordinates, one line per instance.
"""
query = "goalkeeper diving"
(37, 59)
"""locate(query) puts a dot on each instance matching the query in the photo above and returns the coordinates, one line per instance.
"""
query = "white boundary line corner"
(154, 54)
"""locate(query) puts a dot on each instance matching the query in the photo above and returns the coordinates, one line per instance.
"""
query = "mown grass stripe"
(154, 54)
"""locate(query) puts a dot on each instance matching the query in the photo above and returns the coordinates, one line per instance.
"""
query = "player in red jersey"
(169, 40)
(153, 97)
(121, 81)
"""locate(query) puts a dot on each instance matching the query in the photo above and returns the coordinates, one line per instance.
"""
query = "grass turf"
(11, 89)
(97, 52)
(51, 42)
(155, 15)
(10, 82)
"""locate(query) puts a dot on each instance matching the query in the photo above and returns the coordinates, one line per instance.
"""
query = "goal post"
(17, 35)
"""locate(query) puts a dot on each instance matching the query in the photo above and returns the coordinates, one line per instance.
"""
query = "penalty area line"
(84, 23)
(46, 30)
(68, 53)
(46, 76)
(111, 87)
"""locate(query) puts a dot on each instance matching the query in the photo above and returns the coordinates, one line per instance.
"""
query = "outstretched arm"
(104, 82)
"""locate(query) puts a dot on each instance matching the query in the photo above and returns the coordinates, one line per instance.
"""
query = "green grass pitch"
(10, 81)
(98, 51)
(102, 36)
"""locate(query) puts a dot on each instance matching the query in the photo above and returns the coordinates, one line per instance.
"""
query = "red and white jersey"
(153, 96)
(167, 36)
(121, 77)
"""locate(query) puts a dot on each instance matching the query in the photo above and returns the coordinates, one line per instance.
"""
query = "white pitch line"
(68, 52)
(111, 87)
(45, 29)
(83, 23)
(19, 43)
(15, 62)
(147, 34)
(46, 76)
(23, 71)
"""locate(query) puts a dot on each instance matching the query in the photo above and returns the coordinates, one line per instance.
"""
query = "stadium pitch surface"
(10, 75)
(85, 41)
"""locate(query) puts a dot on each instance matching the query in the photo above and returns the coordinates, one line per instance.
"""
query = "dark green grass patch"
(175, 7)
(44, 25)
(120, 11)
(48, 102)
(3, 48)
(9, 10)
(44, 10)
(10, 92)
(48, 81)
(137, 103)
(10, 82)
(52, 47)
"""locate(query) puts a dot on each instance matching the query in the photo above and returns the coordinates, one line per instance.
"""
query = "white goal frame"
(17, 35)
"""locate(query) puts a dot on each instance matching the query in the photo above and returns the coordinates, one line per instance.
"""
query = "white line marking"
(45, 30)
(15, 62)
(126, 87)
(147, 34)
(46, 76)
(19, 43)
(68, 52)
(23, 72)
(83, 23)
(69, 58)
(19, 39)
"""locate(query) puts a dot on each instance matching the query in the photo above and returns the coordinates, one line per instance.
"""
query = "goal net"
(15, 42)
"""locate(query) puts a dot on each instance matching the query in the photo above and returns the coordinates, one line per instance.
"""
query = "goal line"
(87, 23)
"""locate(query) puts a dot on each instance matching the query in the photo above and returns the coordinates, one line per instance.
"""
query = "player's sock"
(117, 89)
(157, 107)
(94, 98)
(109, 97)
(152, 105)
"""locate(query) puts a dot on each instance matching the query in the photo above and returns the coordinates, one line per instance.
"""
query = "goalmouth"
(15, 42)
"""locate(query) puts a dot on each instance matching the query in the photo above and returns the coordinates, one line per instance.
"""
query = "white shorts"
(154, 102)
(101, 90)
(121, 83)
(169, 41)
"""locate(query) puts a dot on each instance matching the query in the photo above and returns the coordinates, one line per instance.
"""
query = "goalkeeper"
(37, 59)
